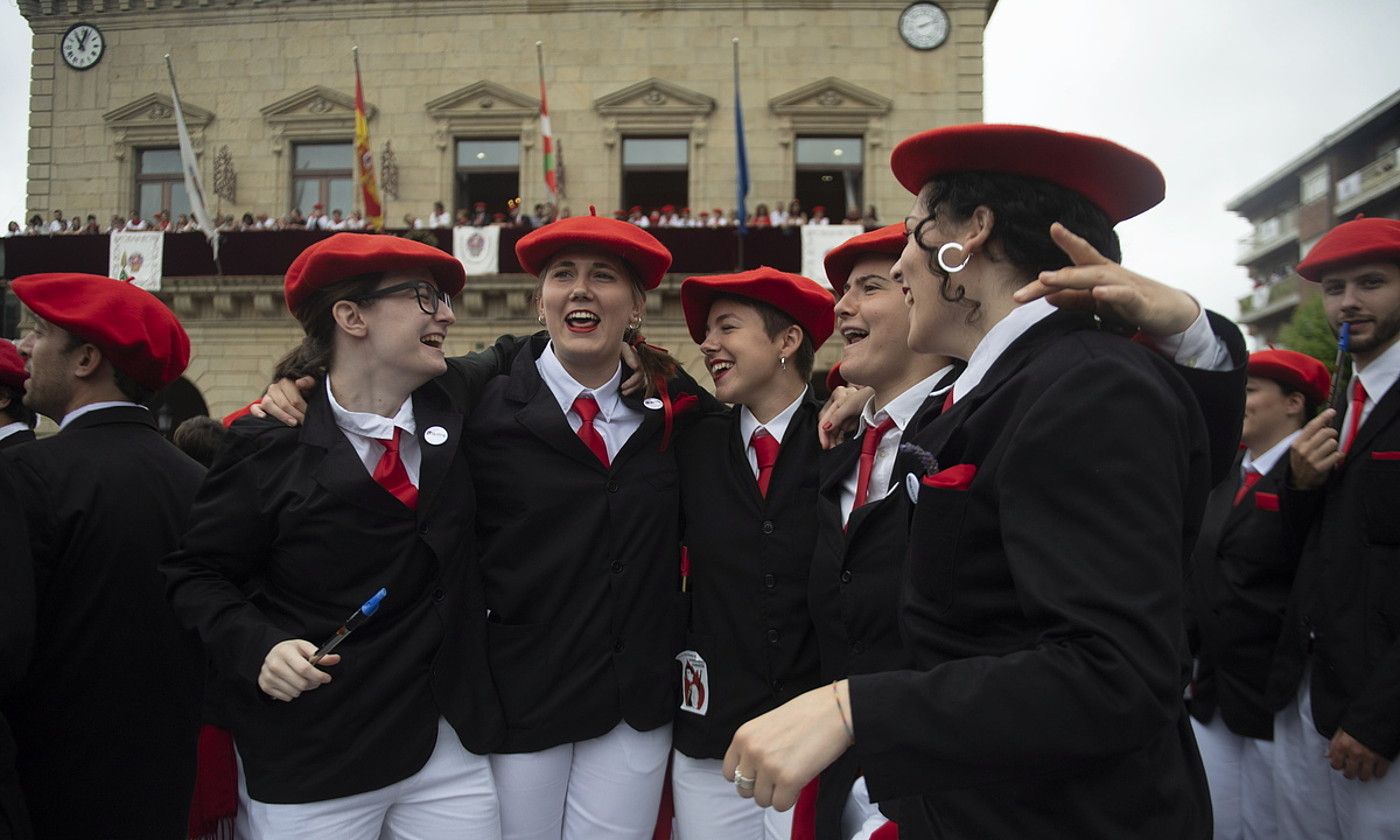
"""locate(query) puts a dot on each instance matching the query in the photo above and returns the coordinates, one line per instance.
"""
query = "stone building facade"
(267, 85)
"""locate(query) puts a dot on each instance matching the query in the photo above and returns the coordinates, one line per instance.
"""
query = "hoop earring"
(942, 262)
(782, 363)
(635, 325)
(540, 318)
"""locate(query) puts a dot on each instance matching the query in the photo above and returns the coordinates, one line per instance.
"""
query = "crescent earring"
(782, 363)
(943, 260)
(541, 319)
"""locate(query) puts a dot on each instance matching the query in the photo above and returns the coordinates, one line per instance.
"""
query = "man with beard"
(1339, 689)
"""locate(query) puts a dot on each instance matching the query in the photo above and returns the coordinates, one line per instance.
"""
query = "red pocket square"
(954, 478)
(1266, 501)
(1385, 456)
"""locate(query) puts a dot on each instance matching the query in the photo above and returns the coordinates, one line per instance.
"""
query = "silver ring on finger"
(742, 782)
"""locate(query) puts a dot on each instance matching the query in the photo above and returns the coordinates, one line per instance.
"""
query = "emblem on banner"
(476, 243)
(695, 683)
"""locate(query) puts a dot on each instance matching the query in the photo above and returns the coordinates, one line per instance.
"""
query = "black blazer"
(1348, 591)
(1042, 604)
(581, 563)
(1239, 586)
(289, 535)
(22, 436)
(16, 642)
(749, 557)
(107, 716)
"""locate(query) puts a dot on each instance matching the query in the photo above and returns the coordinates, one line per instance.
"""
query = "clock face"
(82, 46)
(923, 26)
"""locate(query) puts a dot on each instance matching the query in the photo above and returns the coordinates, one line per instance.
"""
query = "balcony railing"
(1374, 179)
(1270, 300)
(1268, 235)
(695, 251)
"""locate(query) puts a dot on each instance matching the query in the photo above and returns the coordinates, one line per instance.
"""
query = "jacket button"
(768, 526)
(439, 595)
(772, 637)
(846, 576)
(423, 530)
(612, 486)
(770, 581)
(777, 686)
(618, 646)
(617, 566)
(858, 647)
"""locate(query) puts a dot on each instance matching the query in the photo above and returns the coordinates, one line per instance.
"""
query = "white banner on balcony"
(817, 240)
(136, 258)
(478, 249)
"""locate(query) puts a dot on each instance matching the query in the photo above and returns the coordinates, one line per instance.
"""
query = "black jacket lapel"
(432, 410)
(539, 411)
(342, 472)
(1381, 416)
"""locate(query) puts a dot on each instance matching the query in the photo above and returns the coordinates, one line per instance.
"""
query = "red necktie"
(587, 408)
(1251, 478)
(390, 473)
(765, 450)
(868, 445)
(1358, 405)
(948, 400)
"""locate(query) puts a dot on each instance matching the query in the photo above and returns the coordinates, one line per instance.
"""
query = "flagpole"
(740, 224)
(358, 199)
(546, 130)
(194, 190)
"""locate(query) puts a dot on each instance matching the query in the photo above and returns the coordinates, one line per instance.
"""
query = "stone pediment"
(157, 111)
(483, 99)
(654, 97)
(830, 97)
(314, 104)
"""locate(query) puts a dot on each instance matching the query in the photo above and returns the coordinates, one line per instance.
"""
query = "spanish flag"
(364, 157)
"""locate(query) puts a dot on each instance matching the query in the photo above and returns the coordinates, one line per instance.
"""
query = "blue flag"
(743, 155)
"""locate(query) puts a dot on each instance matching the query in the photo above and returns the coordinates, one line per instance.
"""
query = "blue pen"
(1338, 377)
(365, 611)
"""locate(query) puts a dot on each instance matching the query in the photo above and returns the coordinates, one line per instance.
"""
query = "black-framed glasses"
(429, 297)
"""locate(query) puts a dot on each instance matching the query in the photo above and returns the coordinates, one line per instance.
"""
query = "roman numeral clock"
(82, 46)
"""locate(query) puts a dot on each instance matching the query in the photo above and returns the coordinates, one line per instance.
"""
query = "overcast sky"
(1218, 92)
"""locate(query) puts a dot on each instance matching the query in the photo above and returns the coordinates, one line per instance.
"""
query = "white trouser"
(1240, 771)
(609, 786)
(452, 796)
(709, 808)
(1316, 801)
(861, 817)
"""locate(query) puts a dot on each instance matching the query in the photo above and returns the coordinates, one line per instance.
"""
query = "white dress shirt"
(364, 431)
(1269, 459)
(12, 428)
(777, 427)
(616, 421)
(1377, 378)
(90, 407)
(901, 410)
(1196, 347)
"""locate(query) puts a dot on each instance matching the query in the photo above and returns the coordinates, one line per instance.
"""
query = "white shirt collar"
(1269, 459)
(12, 429)
(91, 407)
(566, 389)
(1001, 336)
(371, 425)
(902, 408)
(777, 427)
(1381, 373)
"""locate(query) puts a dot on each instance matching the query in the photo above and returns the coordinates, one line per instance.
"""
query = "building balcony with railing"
(1269, 235)
(1372, 181)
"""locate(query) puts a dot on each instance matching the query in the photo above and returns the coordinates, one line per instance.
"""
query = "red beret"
(802, 298)
(12, 372)
(1296, 370)
(647, 256)
(842, 259)
(345, 255)
(1117, 180)
(133, 329)
(1356, 242)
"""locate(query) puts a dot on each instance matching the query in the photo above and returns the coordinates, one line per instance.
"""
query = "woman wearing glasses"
(295, 528)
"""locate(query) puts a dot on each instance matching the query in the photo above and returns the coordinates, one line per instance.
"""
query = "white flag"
(817, 240)
(194, 187)
(478, 249)
(135, 257)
